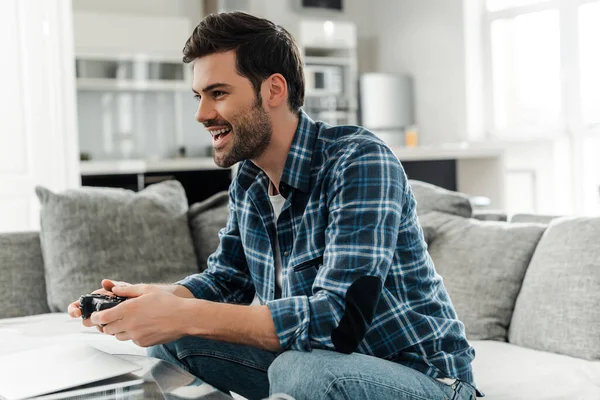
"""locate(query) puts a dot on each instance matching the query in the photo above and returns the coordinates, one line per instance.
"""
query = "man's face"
(230, 110)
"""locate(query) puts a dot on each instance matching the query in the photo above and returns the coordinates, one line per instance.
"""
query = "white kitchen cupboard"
(38, 131)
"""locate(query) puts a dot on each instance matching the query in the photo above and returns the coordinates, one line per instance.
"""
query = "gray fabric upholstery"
(482, 264)
(558, 309)
(434, 198)
(537, 218)
(21, 275)
(88, 234)
(490, 215)
(206, 219)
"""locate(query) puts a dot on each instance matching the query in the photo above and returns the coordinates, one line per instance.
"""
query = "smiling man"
(322, 230)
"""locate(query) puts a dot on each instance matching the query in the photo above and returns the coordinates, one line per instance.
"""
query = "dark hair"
(262, 49)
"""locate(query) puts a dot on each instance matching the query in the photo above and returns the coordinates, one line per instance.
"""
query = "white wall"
(426, 40)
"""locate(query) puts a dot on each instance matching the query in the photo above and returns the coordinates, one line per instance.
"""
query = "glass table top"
(156, 379)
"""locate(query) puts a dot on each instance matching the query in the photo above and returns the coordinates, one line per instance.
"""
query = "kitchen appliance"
(387, 105)
(324, 79)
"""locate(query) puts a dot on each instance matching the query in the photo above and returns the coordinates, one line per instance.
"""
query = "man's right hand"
(107, 286)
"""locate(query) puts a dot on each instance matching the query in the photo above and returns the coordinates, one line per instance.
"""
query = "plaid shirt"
(349, 216)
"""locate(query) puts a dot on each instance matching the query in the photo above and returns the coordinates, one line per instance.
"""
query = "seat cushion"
(504, 371)
(90, 233)
(482, 264)
(558, 309)
(22, 275)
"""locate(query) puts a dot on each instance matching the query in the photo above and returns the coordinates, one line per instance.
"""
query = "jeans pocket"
(446, 390)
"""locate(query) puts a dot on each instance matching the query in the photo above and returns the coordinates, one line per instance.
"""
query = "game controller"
(89, 303)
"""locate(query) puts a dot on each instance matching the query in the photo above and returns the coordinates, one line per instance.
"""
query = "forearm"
(177, 290)
(245, 325)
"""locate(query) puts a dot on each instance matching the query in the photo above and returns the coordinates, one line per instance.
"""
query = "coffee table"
(161, 380)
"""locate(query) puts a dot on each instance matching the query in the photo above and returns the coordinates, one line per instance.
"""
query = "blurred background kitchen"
(499, 99)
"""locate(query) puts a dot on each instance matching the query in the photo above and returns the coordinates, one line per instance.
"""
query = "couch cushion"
(507, 372)
(206, 219)
(22, 275)
(88, 234)
(538, 218)
(434, 198)
(483, 264)
(558, 309)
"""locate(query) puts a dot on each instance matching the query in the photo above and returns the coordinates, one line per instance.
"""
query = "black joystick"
(89, 303)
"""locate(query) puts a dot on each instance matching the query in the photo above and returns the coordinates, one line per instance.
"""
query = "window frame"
(573, 125)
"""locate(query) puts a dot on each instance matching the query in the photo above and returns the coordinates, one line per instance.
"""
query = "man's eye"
(197, 97)
(218, 93)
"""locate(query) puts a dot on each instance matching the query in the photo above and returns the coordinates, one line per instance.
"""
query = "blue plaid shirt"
(355, 268)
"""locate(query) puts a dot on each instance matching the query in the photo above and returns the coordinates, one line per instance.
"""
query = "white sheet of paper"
(49, 369)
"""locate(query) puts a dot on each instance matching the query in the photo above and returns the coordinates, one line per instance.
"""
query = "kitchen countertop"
(140, 166)
(422, 153)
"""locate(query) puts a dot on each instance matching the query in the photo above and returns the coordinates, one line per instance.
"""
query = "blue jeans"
(320, 374)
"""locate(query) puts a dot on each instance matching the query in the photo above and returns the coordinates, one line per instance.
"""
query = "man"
(322, 231)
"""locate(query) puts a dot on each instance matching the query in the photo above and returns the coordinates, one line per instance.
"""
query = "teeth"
(220, 131)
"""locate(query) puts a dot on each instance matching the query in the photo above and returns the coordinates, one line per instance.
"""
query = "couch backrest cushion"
(558, 309)
(206, 219)
(88, 234)
(537, 218)
(482, 264)
(434, 198)
(21, 275)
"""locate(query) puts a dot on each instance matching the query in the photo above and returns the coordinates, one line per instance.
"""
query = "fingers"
(108, 284)
(103, 292)
(122, 336)
(74, 310)
(114, 328)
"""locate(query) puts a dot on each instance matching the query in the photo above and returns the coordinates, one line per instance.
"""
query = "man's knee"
(300, 374)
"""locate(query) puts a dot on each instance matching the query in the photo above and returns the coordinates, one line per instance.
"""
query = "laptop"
(46, 370)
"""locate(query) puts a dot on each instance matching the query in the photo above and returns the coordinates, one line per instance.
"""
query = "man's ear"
(275, 91)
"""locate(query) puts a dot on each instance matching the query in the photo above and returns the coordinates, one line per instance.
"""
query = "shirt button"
(287, 253)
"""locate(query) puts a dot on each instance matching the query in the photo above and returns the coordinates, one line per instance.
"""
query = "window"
(543, 82)
(589, 61)
(526, 72)
(544, 67)
(495, 5)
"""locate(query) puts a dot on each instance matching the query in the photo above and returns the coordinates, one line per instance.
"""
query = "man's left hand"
(150, 316)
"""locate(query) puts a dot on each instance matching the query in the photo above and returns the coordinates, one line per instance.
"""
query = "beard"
(251, 132)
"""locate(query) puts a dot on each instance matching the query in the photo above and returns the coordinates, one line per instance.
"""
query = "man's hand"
(107, 286)
(151, 315)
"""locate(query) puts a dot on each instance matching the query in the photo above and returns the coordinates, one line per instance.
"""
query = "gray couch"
(527, 289)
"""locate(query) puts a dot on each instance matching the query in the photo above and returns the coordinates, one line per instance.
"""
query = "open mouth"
(219, 134)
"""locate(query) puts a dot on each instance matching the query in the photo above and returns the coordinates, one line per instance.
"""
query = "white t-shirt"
(277, 202)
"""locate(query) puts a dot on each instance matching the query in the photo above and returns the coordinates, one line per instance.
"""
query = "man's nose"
(205, 111)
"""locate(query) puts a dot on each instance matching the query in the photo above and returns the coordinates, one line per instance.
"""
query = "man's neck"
(272, 161)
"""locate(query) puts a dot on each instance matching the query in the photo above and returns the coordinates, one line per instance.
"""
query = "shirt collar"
(296, 172)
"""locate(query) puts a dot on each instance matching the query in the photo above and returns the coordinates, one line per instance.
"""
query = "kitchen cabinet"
(200, 177)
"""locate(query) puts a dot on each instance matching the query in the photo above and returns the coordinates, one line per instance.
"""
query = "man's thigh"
(226, 366)
(323, 374)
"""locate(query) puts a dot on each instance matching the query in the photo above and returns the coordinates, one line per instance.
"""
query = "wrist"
(178, 290)
(192, 315)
